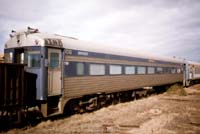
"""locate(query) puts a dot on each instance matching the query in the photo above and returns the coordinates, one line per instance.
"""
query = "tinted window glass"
(178, 70)
(54, 60)
(159, 70)
(141, 70)
(8, 57)
(97, 69)
(150, 70)
(129, 70)
(115, 69)
(33, 60)
(173, 70)
(80, 69)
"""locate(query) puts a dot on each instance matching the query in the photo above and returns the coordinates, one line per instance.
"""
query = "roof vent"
(32, 30)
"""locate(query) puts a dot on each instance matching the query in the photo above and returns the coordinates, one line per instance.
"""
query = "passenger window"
(197, 70)
(141, 70)
(159, 70)
(150, 70)
(178, 70)
(97, 69)
(173, 70)
(80, 68)
(168, 70)
(130, 70)
(115, 69)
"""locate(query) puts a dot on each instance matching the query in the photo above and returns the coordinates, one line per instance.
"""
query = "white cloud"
(162, 27)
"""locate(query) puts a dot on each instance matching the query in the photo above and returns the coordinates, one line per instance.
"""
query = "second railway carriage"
(76, 75)
(192, 72)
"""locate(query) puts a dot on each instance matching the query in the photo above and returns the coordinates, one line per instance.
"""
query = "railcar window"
(115, 69)
(178, 70)
(197, 70)
(54, 60)
(129, 69)
(150, 70)
(97, 69)
(141, 70)
(8, 57)
(159, 70)
(34, 59)
(80, 68)
(173, 70)
(168, 70)
(22, 58)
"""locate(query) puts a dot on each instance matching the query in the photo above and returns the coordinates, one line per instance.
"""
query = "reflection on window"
(8, 57)
(150, 70)
(159, 70)
(54, 60)
(197, 70)
(141, 70)
(173, 70)
(178, 70)
(33, 60)
(22, 58)
(129, 70)
(167, 70)
(97, 69)
(115, 69)
(80, 68)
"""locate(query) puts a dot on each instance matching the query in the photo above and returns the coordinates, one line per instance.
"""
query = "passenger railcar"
(192, 72)
(76, 75)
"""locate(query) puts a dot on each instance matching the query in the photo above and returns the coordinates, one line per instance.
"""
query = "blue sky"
(161, 27)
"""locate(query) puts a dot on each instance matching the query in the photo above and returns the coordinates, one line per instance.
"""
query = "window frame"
(126, 66)
(161, 72)
(26, 58)
(76, 69)
(145, 70)
(109, 68)
(89, 69)
(52, 60)
(154, 70)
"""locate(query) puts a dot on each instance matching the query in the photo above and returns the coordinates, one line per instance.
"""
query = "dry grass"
(159, 114)
(177, 89)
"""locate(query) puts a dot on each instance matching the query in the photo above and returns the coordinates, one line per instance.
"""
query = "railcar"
(74, 75)
(192, 72)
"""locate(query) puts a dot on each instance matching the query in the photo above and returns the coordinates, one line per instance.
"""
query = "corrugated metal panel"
(78, 86)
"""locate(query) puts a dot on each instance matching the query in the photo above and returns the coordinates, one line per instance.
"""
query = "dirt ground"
(158, 114)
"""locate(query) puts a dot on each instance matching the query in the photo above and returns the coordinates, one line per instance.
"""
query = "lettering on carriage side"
(68, 52)
(53, 42)
(152, 61)
(82, 53)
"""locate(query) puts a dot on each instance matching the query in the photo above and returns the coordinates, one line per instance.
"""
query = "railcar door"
(54, 71)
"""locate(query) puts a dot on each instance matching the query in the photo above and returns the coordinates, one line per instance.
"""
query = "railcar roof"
(194, 63)
(76, 44)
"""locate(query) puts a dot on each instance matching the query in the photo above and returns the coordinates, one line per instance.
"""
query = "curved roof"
(76, 44)
(194, 63)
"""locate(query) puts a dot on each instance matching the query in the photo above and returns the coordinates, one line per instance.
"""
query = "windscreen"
(32, 59)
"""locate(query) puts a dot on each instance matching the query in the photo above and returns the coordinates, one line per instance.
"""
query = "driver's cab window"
(8, 57)
(32, 59)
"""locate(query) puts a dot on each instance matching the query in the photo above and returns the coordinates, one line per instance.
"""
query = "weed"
(177, 89)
